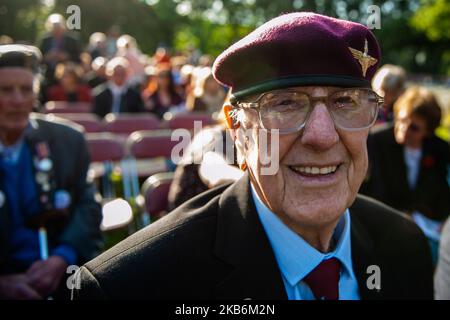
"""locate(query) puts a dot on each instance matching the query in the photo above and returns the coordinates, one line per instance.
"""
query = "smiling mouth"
(314, 171)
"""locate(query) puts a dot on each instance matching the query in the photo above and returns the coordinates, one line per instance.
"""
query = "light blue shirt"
(412, 159)
(296, 258)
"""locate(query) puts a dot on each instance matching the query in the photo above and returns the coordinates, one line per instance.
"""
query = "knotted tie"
(324, 280)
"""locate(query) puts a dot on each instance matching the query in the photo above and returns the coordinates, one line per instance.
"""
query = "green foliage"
(433, 18)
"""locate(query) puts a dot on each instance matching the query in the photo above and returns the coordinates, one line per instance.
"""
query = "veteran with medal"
(49, 218)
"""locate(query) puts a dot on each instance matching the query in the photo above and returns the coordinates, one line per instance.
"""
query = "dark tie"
(324, 280)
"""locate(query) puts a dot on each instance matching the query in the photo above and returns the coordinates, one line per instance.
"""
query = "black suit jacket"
(70, 157)
(387, 176)
(70, 45)
(131, 101)
(214, 247)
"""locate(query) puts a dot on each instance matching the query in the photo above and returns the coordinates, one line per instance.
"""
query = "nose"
(319, 132)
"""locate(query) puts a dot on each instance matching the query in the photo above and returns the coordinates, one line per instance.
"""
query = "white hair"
(114, 63)
(389, 77)
(97, 37)
(55, 19)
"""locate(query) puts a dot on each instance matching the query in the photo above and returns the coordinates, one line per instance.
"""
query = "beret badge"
(363, 58)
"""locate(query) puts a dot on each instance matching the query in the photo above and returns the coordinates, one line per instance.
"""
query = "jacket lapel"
(363, 254)
(241, 242)
(33, 137)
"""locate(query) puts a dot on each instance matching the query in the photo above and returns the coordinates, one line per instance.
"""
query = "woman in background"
(208, 95)
(69, 87)
(161, 95)
(408, 163)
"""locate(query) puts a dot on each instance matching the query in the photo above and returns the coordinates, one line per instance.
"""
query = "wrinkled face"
(410, 129)
(16, 98)
(320, 168)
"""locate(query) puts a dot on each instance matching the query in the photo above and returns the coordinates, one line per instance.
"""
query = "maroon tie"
(324, 280)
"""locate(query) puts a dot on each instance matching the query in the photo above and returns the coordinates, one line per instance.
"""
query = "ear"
(227, 108)
(230, 123)
(233, 127)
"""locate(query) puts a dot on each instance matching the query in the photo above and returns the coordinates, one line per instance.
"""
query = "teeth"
(315, 170)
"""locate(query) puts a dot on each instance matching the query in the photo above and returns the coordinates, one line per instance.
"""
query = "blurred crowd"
(114, 76)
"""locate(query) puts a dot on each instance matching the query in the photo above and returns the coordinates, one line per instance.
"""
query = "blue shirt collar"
(295, 257)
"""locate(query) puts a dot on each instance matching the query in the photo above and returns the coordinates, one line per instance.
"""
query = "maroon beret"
(296, 49)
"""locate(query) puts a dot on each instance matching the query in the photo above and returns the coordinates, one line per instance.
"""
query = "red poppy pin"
(428, 162)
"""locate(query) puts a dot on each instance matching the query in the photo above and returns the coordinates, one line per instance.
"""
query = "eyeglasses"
(288, 110)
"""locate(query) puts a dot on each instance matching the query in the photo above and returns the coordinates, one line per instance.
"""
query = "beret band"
(280, 83)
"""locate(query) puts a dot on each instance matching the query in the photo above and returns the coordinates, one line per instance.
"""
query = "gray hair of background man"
(389, 77)
(55, 20)
(114, 63)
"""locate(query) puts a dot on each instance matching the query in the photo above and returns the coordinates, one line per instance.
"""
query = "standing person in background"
(127, 47)
(97, 45)
(58, 46)
(208, 95)
(97, 75)
(111, 41)
(43, 182)
(389, 83)
(116, 96)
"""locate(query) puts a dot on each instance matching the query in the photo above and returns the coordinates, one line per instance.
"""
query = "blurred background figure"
(408, 163)
(208, 95)
(97, 45)
(58, 45)
(69, 87)
(97, 75)
(127, 48)
(43, 189)
(111, 41)
(116, 96)
(161, 95)
(389, 82)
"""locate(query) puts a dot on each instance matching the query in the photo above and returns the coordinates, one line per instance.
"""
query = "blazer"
(70, 45)
(214, 247)
(131, 101)
(69, 154)
(387, 176)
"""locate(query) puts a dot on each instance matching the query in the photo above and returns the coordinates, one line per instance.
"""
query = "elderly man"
(49, 218)
(300, 232)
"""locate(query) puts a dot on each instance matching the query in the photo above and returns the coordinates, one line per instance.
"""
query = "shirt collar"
(296, 258)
